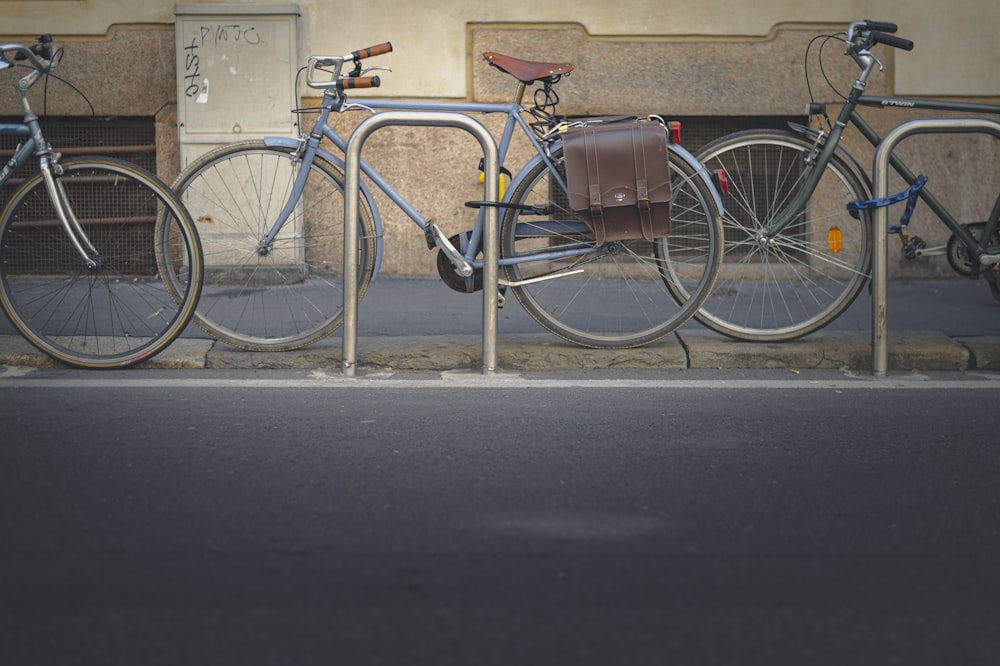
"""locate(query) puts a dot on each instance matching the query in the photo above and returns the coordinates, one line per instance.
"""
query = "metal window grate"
(117, 224)
(696, 131)
(129, 138)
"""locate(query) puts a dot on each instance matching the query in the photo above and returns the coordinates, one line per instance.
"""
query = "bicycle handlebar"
(891, 40)
(378, 49)
(862, 35)
(880, 26)
(360, 54)
(332, 66)
(359, 82)
(40, 55)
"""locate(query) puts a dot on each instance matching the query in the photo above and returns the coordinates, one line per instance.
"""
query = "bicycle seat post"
(519, 93)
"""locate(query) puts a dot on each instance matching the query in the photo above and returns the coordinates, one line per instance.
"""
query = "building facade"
(717, 66)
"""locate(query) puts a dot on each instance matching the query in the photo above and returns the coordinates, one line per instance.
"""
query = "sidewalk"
(420, 324)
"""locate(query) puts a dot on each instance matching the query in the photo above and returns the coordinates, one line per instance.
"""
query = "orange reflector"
(835, 239)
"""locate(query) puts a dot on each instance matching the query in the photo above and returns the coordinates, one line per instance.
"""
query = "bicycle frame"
(24, 150)
(310, 148)
(849, 115)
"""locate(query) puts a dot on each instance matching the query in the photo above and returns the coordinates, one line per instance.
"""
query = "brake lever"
(354, 106)
(862, 50)
(374, 68)
(869, 54)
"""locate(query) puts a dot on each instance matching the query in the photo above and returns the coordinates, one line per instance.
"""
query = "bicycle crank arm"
(540, 278)
(931, 251)
(462, 267)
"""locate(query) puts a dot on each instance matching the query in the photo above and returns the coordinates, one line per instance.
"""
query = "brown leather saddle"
(527, 71)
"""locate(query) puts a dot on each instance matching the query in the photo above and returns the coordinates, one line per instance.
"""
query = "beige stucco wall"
(957, 50)
(674, 58)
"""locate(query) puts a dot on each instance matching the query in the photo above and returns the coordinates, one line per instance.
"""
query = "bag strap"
(594, 188)
(641, 184)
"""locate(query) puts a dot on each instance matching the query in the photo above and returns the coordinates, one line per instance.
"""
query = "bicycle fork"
(51, 174)
(820, 155)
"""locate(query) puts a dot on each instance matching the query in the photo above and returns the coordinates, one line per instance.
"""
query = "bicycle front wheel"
(801, 279)
(142, 287)
(287, 293)
(622, 294)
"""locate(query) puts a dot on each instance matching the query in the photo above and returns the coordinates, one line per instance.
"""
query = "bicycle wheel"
(144, 287)
(290, 293)
(623, 294)
(803, 278)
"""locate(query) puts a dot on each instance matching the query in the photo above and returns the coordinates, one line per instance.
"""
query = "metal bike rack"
(880, 249)
(491, 250)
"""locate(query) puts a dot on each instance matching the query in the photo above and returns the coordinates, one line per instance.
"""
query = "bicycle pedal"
(912, 246)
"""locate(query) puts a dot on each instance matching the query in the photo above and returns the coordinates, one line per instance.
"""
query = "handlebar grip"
(881, 26)
(359, 82)
(378, 49)
(892, 40)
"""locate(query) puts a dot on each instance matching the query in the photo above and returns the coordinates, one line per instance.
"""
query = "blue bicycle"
(270, 214)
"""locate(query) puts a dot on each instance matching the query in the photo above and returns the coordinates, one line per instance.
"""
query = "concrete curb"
(912, 350)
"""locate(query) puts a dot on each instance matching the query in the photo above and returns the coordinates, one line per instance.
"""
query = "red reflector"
(674, 128)
(721, 181)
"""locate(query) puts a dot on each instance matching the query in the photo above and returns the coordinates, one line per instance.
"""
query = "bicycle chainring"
(466, 285)
(958, 255)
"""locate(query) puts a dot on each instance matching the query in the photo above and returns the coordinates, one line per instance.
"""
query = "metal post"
(491, 249)
(880, 247)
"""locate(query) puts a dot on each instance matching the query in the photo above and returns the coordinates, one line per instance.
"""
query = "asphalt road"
(249, 518)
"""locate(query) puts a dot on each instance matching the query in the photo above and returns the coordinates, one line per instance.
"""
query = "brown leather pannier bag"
(619, 178)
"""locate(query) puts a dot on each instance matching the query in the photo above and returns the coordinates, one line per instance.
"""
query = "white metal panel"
(236, 65)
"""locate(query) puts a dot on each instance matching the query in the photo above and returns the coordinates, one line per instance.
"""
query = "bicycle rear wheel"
(144, 287)
(803, 278)
(623, 294)
(290, 293)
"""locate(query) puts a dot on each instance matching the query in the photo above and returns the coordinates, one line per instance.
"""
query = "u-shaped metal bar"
(491, 249)
(880, 246)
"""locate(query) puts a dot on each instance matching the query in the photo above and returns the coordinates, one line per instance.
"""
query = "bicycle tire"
(125, 310)
(286, 296)
(806, 276)
(630, 293)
